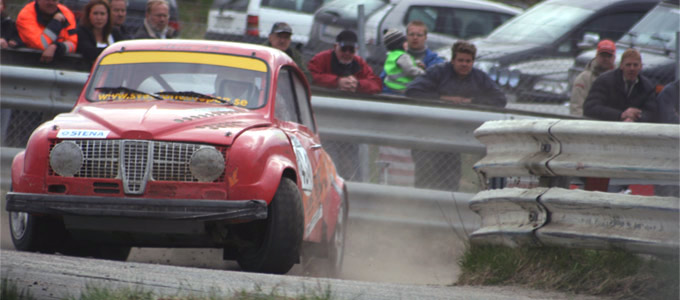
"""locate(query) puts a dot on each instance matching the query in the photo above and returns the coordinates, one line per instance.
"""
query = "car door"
(293, 109)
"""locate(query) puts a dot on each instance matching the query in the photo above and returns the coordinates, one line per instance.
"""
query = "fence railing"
(556, 216)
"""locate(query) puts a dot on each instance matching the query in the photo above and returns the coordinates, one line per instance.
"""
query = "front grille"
(136, 161)
(135, 165)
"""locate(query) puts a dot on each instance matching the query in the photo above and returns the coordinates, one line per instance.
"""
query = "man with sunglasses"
(339, 68)
(603, 61)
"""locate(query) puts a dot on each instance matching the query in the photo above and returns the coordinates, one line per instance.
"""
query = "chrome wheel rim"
(19, 223)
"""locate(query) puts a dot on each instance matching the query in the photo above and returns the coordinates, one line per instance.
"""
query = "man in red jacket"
(339, 68)
(49, 26)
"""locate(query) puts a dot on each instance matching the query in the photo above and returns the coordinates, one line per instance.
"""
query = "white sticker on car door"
(304, 165)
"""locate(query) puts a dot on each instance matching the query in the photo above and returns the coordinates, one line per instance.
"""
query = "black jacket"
(442, 80)
(607, 98)
(87, 44)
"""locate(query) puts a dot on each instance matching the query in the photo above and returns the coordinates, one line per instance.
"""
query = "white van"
(251, 20)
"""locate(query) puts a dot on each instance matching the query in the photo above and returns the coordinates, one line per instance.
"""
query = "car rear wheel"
(278, 248)
(336, 247)
(35, 233)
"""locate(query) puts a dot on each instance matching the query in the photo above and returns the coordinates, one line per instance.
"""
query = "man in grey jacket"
(603, 61)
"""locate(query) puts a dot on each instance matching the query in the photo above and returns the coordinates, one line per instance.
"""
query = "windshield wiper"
(193, 95)
(127, 90)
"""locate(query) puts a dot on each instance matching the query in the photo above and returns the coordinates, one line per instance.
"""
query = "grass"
(10, 291)
(611, 273)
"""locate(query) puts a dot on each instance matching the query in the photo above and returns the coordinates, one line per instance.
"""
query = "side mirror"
(590, 40)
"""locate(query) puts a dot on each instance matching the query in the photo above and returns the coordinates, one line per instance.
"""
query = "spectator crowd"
(602, 91)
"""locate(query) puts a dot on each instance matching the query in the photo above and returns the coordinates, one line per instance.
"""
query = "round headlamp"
(66, 158)
(503, 77)
(206, 164)
(513, 80)
(493, 73)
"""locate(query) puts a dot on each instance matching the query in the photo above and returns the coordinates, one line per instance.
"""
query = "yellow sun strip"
(138, 57)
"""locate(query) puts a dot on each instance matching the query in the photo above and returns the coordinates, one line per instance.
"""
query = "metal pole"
(361, 27)
(677, 57)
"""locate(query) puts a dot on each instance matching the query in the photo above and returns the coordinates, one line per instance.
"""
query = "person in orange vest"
(48, 26)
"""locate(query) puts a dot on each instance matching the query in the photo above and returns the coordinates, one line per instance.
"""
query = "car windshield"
(543, 24)
(656, 30)
(348, 8)
(180, 76)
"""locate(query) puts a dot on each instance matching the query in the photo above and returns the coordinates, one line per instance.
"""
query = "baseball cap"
(279, 27)
(346, 38)
(606, 46)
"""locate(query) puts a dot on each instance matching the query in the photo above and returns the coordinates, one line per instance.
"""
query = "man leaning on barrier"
(156, 22)
(604, 61)
(48, 26)
(456, 82)
(623, 94)
(280, 38)
(118, 15)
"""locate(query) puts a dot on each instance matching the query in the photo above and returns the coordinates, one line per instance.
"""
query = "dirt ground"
(374, 252)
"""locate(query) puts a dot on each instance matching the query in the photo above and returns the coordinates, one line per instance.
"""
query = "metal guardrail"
(581, 148)
(577, 218)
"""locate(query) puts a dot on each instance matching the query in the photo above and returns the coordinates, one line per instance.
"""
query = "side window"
(304, 103)
(285, 99)
(611, 26)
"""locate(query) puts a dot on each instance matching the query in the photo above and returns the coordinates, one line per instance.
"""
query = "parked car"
(252, 20)
(655, 36)
(136, 12)
(447, 21)
(183, 143)
(530, 54)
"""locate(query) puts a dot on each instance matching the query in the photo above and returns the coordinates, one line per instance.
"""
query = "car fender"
(337, 193)
(256, 161)
(30, 166)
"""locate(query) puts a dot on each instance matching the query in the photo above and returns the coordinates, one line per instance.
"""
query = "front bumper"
(148, 208)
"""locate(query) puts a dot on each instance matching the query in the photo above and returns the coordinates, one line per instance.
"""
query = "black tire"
(336, 246)
(278, 249)
(36, 234)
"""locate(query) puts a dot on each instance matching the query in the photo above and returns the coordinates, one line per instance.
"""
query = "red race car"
(183, 143)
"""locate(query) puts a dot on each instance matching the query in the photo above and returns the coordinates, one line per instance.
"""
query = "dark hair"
(462, 46)
(85, 18)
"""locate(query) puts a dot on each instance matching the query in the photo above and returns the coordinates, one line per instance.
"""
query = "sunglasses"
(349, 49)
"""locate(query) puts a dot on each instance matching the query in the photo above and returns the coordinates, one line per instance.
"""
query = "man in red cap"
(603, 61)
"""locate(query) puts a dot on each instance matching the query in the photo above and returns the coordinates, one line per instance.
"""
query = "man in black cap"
(279, 38)
(339, 68)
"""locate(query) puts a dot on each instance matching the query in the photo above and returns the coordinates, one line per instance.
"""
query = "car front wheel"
(336, 247)
(34, 233)
(278, 247)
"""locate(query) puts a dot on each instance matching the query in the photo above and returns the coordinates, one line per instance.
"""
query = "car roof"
(271, 55)
(599, 4)
(469, 4)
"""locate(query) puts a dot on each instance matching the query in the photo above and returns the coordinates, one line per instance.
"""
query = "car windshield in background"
(656, 30)
(235, 5)
(180, 76)
(348, 8)
(541, 25)
(457, 22)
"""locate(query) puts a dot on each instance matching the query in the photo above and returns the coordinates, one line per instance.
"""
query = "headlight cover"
(206, 164)
(66, 158)
(513, 80)
(551, 86)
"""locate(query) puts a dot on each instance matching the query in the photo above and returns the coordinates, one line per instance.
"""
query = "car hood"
(506, 52)
(157, 120)
(544, 66)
